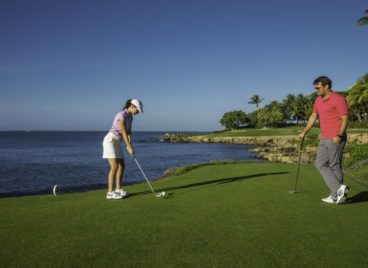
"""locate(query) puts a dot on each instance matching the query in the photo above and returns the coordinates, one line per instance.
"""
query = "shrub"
(357, 152)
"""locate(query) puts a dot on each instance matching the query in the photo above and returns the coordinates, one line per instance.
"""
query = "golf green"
(233, 215)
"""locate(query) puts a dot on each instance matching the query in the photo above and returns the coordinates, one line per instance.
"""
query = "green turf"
(357, 130)
(234, 215)
(313, 133)
(363, 172)
(264, 132)
(360, 174)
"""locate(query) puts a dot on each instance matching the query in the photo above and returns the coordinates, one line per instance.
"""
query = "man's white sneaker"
(113, 195)
(330, 200)
(342, 193)
(122, 193)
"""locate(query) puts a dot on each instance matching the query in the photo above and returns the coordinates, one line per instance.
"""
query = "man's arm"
(344, 124)
(312, 119)
(342, 131)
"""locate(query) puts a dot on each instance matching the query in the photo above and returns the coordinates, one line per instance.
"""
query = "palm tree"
(256, 99)
(271, 114)
(358, 97)
(363, 20)
(263, 115)
(353, 100)
(290, 107)
(302, 107)
(363, 82)
(310, 103)
(363, 99)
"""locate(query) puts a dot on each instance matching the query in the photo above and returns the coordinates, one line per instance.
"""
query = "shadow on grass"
(217, 181)
(358, 198)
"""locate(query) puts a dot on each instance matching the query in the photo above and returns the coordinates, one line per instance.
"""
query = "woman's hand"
(130, 150)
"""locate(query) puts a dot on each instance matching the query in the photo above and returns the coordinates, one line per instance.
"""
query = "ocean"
(33, 162)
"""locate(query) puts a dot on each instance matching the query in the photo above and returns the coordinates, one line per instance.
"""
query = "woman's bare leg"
(112, 174)
(120, 173)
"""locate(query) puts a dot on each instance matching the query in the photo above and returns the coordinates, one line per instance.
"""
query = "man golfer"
(333, 113)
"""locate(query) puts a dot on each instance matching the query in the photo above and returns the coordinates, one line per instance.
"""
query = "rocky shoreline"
(283, 149)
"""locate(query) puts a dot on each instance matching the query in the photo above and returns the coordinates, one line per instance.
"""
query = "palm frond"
(362, 21)
(363, 98)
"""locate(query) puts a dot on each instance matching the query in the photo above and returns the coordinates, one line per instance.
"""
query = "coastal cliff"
(283, 149)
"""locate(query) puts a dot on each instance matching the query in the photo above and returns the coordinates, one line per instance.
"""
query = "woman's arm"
(126, 137)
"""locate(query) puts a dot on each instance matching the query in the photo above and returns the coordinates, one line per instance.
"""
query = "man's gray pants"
(328, 163)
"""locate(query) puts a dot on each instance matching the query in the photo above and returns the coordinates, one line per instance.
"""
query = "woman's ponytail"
(127, 104)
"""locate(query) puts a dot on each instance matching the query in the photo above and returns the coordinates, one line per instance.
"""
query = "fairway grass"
(234, 215)
(258, 132)
(268, 132)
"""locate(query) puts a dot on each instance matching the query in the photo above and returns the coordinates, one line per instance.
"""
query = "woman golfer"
(121, 129)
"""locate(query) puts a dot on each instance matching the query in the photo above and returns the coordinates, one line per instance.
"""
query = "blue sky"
(70, 65)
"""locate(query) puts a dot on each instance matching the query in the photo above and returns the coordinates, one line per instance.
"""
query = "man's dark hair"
(324, 80)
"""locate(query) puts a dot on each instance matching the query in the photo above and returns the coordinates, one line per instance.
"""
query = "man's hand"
(302, 136)
(336, 140)
(311, 120)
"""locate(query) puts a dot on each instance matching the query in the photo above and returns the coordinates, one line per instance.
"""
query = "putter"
(161, 194)
(297, 172)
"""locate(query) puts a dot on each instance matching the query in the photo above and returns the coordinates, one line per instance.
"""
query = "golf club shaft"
(135, 159)
(300, 156)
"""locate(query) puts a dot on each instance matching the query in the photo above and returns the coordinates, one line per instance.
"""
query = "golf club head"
(161, 194)
(292, 192)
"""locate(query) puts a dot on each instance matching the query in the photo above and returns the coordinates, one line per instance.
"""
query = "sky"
(72, 64)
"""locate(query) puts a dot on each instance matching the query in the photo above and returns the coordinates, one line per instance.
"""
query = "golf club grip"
(301, 145)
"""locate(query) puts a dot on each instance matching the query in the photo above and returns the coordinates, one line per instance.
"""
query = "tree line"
(296, 109)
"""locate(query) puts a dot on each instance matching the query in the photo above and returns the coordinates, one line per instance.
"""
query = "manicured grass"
(357, 152)
(234, 215)
(287, 131)
(362, 173)
(264, 132)
(357, 130)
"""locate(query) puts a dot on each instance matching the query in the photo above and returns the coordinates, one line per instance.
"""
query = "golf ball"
(55, 189)
(161, 194)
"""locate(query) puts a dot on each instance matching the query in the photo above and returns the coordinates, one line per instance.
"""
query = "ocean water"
(33, 162)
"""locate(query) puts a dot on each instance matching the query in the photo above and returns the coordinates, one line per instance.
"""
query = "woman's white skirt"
(112, 147)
